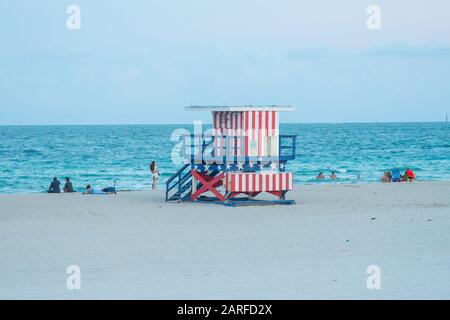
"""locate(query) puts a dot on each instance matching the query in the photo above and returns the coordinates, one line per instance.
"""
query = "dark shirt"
(54, 187)
(68, 187)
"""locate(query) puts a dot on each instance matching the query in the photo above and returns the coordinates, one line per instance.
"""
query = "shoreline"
(296, 186)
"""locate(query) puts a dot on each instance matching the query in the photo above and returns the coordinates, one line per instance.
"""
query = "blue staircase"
(178, 187)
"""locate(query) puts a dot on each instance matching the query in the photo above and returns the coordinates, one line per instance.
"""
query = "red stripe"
(240, 182)
(267, 123)
(232, 116)
(253, 124)
(260, 120)
(280, 176)
(274, 182)
(273, 122)
(247, 187)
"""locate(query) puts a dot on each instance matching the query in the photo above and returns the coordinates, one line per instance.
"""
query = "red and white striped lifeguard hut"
(243, 154)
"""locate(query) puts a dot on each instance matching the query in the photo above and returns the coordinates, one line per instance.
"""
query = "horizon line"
(187, 124)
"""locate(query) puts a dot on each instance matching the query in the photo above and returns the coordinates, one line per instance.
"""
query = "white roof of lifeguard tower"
(240, 108)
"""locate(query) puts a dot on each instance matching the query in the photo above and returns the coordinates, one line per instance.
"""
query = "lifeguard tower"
(243, 154)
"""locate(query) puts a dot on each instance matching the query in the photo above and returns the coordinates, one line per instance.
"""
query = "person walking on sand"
(54, 186)
(68, 187)
(155, 174)
(333, 176)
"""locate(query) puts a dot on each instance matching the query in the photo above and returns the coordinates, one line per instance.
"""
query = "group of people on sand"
(388, 176)
(68, 188)
(321, 176)
(55, 186)
(396, 176)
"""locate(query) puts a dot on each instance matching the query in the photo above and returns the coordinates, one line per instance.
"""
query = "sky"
(142, 61)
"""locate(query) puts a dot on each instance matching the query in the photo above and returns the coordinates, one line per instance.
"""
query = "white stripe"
(250, 182)
(257, 187)
(236, 132)
(216, 123)
(263, 187)
(276, 124)
(264, 121)
(217, 144)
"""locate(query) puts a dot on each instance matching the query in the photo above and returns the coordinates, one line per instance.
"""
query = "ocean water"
(31, 155)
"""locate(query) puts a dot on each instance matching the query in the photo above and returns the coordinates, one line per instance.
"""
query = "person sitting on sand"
(54, 186)
(409, 175)
(320, 176)
(333, 176)
(68, 186)
(155, 174)
(90, 190)
(387, 177)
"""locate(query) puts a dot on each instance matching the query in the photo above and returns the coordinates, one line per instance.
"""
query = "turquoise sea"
(31, 155)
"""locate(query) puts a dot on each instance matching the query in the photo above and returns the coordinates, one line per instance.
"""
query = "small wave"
(32, 152)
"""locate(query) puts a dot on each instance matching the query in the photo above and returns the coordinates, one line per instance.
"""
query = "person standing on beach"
(155, 174)
(54, 186)
(68, 187)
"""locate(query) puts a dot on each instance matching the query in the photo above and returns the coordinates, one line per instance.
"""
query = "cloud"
(410, 52)
(309, 53)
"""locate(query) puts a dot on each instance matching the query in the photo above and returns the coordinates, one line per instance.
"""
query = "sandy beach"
(134, 245)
